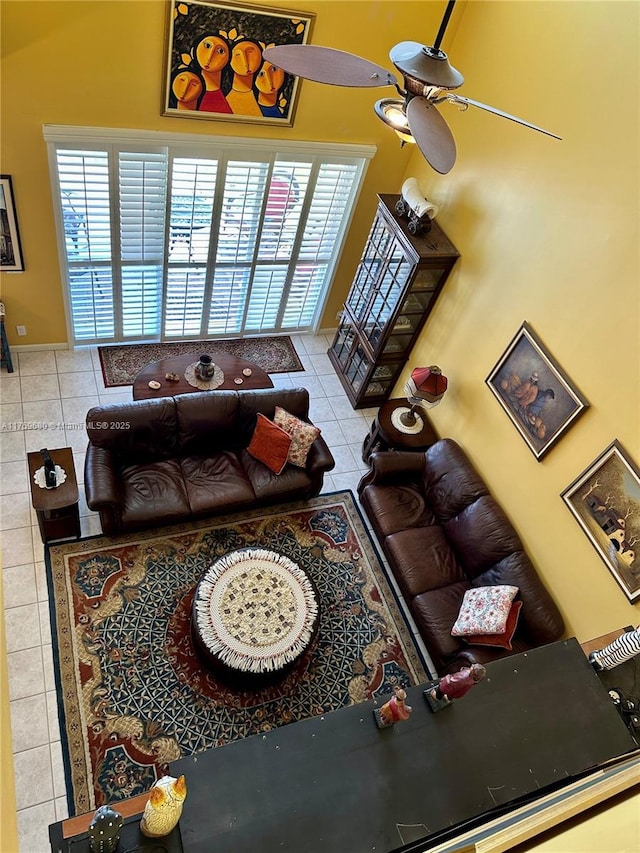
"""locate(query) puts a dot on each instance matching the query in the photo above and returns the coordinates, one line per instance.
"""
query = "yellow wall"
(101, 63)
(548, 233)
(613, 827)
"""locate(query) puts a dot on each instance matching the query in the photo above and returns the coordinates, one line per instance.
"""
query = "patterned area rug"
(121, 364)
(134, 693)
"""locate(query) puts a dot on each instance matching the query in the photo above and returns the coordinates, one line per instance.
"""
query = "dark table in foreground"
(231, 366)
(57, 509)
(338, 783)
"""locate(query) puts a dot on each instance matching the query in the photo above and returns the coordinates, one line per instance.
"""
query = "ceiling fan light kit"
(428, 79)
(392, 112)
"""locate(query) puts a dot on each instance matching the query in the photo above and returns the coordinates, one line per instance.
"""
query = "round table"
(233, 368)
(254, 614)
(384, 434)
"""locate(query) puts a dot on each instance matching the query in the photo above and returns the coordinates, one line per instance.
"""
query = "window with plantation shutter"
(186, 238)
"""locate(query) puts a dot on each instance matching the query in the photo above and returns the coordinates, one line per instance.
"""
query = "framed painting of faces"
(214, 63)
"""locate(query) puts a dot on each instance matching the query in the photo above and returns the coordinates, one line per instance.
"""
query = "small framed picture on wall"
(10, 249)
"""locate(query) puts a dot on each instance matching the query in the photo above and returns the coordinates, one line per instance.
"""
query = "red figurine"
(394, 710)
(454, 686)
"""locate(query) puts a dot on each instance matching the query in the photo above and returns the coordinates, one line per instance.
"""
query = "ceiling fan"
(428, 82)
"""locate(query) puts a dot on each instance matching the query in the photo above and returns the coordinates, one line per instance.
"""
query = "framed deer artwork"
(605, 500)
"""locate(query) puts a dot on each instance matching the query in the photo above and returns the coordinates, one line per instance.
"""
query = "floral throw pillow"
(484, 610)
(302, 436)
(499, 641)
(269, 444)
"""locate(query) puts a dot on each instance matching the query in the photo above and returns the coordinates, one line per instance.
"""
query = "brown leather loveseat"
(443, 533)
(172, 459)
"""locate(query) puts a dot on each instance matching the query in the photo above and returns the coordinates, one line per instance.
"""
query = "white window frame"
(191, 145)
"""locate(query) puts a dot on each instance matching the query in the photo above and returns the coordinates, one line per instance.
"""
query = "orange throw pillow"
(269, 444)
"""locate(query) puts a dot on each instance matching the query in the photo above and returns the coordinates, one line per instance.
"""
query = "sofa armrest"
(393, 466)
(101, 484)
(320, 458)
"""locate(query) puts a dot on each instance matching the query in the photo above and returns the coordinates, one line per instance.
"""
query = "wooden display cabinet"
(397, 282)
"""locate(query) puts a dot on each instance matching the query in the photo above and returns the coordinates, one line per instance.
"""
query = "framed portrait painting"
(10, 249)
(605, 500)
(214, 65)
(535, 392)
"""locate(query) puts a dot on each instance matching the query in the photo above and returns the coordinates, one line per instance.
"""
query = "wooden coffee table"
(231, 367)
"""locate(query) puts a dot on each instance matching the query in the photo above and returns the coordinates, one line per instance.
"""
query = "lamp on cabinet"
(425, 388)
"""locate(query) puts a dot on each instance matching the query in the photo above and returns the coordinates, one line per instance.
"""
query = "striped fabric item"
(617, 652)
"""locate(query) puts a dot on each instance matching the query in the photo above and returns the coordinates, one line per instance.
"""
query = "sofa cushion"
(216, 483)
(484, 610)
(153, 494)
(540, 621)
(302, 436)
(481, 535)
(422, 559)
(137, 432)
(269, 444)
(207, 422)
(499, 641)
(434, 613)
(451, 482)
(394, 508)
(292, 484)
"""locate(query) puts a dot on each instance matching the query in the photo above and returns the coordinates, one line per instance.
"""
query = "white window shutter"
(163, 244)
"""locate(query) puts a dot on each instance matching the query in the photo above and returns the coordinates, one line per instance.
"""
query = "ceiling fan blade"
(432, 135)
(467, 102)
(327, 65)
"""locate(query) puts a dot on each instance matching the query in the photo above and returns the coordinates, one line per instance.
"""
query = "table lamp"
(425, 388)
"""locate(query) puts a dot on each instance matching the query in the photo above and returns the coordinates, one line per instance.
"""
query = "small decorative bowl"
(238, 381)
(247, 371)
(154, 385)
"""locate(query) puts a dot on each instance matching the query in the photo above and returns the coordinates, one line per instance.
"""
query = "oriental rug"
(133, 693)
(122, 363)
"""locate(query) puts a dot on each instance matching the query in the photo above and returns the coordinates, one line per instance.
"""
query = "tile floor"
(57, 387)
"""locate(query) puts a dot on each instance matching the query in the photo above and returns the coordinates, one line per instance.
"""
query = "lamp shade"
(393, 113)
(426, 386)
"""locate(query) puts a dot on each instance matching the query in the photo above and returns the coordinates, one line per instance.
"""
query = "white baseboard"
(37, 347)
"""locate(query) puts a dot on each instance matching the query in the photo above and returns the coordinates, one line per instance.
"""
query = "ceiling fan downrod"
(443, 25)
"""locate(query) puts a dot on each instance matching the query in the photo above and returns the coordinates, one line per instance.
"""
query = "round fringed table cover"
(255, 611)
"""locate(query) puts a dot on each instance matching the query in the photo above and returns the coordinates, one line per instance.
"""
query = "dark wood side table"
(57, 509)
(5, 352)
(383, 435)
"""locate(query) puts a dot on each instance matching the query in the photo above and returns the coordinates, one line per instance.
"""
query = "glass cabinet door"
(370, 269)
(392, 283)
(392, 294)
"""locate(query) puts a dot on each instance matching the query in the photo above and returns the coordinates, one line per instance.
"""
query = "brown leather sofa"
(443, 533)
(172, 459)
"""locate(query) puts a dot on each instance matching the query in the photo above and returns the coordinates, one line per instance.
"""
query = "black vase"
(205, 367)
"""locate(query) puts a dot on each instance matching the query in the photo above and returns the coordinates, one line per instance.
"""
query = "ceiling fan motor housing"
(421, 65)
